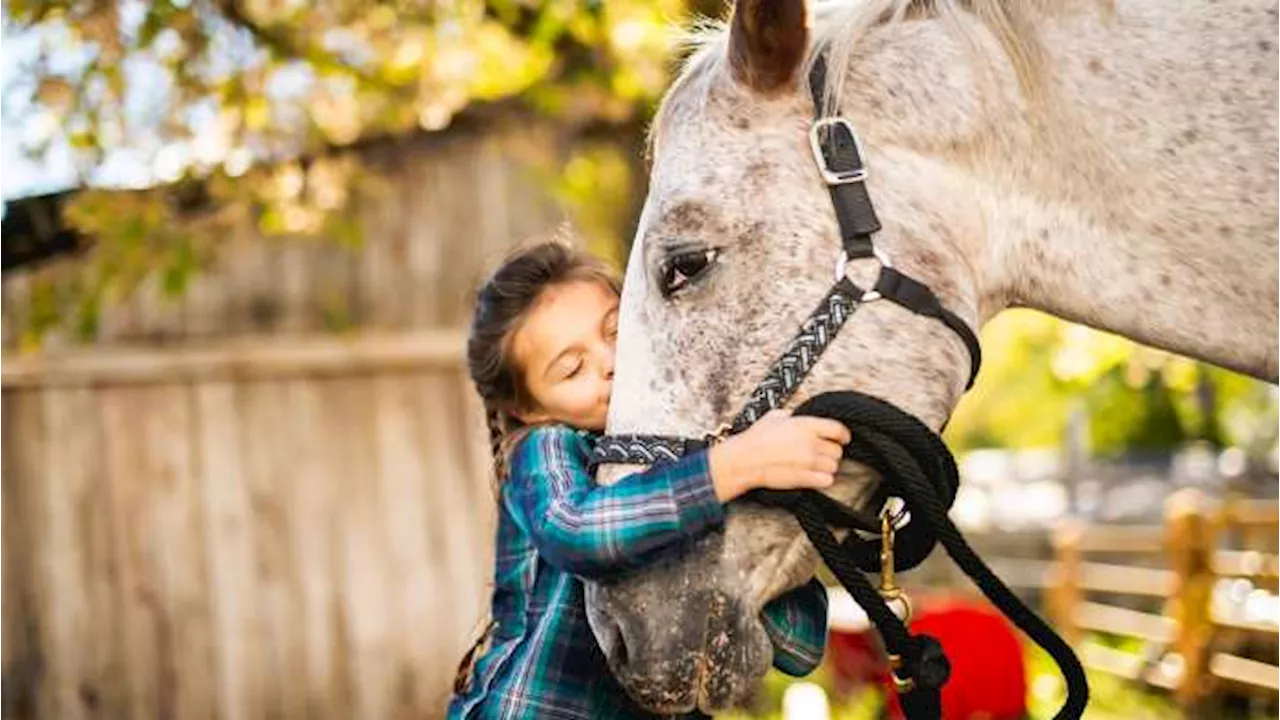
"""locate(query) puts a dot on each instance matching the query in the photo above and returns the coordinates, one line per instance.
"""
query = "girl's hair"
(502, 304)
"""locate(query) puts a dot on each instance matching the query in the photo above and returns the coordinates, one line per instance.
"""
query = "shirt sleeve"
(592, 530)
(797, 624)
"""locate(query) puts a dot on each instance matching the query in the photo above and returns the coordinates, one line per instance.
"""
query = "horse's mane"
(837, 24)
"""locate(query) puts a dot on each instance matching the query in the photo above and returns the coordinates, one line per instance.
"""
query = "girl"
(541, 356)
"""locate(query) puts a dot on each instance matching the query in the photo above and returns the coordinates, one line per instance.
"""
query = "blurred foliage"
(255, 96)
(597, 188)
(164, 236)
(228, 82)
(1038, 370)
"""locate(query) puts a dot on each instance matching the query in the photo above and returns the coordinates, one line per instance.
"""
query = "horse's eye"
(679, 270)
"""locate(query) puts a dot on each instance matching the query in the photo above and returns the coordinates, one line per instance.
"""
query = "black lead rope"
(916, 466)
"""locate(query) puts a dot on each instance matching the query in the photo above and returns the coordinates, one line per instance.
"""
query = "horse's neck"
(1146, 205)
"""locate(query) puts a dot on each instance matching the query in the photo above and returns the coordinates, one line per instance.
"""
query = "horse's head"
(737, 243)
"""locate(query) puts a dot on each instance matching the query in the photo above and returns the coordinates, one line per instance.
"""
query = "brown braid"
(493, 418)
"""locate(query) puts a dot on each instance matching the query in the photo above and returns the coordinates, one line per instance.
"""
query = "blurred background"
(244, 474)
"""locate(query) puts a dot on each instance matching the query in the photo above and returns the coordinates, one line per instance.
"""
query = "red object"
(988, 676)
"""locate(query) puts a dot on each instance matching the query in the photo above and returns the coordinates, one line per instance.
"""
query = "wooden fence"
(291, 529)
(1152, 586)
(1162, 595)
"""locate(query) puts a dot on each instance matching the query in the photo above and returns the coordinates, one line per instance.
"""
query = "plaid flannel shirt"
(557, 527)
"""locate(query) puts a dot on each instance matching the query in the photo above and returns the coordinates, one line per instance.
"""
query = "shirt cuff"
(694, 492)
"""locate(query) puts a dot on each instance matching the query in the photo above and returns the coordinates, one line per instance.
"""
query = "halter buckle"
(829, 175)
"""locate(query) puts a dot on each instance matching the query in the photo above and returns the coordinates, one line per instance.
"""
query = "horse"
(1110, 162)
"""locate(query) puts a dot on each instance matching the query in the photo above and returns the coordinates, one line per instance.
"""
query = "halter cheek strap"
(839, 156)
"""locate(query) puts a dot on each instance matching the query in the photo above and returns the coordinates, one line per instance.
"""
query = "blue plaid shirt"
(557, 527)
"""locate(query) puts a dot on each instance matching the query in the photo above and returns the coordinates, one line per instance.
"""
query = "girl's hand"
(779, 452)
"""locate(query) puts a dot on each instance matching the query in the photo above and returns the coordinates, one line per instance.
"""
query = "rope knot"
(927, 663)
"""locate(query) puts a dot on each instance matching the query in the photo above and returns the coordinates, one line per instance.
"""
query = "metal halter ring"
(842, 266)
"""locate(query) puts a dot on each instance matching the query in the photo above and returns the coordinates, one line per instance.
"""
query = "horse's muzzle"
(677, 639)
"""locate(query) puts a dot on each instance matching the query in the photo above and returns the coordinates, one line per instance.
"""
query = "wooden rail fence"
(1162, 594)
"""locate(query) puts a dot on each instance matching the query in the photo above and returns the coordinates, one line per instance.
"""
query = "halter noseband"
(914, 464)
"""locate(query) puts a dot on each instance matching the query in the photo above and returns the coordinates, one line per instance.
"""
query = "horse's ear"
(767, 41)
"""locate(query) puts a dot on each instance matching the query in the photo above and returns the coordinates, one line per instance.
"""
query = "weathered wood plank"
(465, 511)
(469, 436)
(204, 303)
(72, 490)
(371, 624)
(251, 277)
(299, 306)
(411, 525)
(313, 483)
(143, 640)
(23, 651)
(268, 461)
(168, 638)
(427, 243)
(381, 279)
(454, 178)
(493, 231)
(443, 642)
(230, 557)
(178, 551)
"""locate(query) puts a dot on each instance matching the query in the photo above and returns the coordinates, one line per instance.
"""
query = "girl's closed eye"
(571, 370)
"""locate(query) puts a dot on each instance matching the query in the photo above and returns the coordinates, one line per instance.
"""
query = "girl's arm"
(591, 530)
(797, 624)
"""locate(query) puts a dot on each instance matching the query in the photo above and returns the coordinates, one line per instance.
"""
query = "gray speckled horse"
(1111, 163)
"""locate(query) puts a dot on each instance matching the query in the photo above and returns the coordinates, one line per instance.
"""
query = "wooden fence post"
(1189, 543)
(1064, 588)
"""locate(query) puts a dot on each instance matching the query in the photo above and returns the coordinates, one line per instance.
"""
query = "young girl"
(541, 356)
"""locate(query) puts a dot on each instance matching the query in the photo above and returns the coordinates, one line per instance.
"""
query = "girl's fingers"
(826, 448)
(827, 429)
(819, 479)
(826, 464)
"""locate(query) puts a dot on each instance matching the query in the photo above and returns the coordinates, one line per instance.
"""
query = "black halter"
(914, 464)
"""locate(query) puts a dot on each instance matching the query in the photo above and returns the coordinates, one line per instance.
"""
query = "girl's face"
(564, 350)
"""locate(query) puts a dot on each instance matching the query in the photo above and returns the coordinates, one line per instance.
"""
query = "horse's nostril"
(619, 652)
